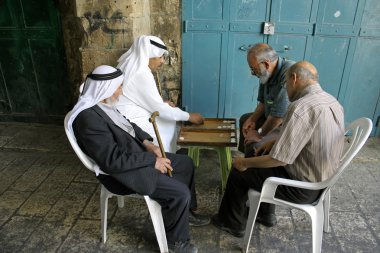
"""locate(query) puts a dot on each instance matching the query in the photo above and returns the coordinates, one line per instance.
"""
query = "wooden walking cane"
(152, 120)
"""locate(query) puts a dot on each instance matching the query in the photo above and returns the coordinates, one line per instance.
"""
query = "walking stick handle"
(152, 120)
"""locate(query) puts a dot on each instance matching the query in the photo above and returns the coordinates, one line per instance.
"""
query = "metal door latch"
(268, 28)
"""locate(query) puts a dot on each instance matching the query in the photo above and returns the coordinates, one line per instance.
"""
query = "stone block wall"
(166, 24)
(98, 32)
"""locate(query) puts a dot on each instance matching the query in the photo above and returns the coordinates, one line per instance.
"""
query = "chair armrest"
(276, 181)
(271, 184)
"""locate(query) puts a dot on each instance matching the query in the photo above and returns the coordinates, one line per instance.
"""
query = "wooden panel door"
(294, 26)
(362, 96)
(336, 31)
(32, 83)
(204, 43)
(246, 24)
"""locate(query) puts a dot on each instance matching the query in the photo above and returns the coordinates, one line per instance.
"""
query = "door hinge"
(185, 24)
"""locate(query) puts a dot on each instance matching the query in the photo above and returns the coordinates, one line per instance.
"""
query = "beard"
(264, 75)
(112, 101)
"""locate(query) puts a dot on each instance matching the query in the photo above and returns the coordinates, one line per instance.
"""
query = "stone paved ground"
(50, 203)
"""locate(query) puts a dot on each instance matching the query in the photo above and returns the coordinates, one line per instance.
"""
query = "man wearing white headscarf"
(132, 163)
(140, 96)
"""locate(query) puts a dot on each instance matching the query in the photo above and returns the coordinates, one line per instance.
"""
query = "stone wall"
(73, 36)
(97, 32)
(166, 24)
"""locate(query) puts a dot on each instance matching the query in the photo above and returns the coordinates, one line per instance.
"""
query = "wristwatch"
(260, 130)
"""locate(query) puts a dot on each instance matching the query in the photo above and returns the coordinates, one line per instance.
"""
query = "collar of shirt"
(313, 88)
(276, 72)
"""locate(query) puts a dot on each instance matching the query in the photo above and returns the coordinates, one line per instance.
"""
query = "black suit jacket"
(115, 151)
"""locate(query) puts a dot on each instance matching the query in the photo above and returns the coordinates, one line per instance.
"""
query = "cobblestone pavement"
(49, 202)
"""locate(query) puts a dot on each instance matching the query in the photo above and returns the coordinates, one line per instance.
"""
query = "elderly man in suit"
(125, 152)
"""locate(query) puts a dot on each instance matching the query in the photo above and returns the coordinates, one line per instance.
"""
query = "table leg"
(225, 159)
(193, 153)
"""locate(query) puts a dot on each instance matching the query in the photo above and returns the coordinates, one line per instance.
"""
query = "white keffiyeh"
(95, 91)
(137, 57)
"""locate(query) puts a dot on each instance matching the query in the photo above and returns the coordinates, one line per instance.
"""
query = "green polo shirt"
(273, 93)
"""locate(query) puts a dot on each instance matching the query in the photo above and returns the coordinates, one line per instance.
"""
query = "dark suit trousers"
(233, 211)
(176, 196)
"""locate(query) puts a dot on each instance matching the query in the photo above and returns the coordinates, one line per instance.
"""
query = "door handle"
(245, 48)
(285, 49)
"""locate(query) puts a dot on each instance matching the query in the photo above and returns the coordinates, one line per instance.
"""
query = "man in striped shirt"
(308, 149)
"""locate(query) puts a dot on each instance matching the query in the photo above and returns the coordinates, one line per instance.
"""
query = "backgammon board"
(213, 132)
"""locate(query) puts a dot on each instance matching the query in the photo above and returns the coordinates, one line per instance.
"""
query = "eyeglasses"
(252, 69)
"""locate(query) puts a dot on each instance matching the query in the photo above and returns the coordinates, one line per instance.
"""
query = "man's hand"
(247, 126)
(150, 147)
(265, 148)
(252, 136)
(196, 118)
(238, 163)
(163, 165)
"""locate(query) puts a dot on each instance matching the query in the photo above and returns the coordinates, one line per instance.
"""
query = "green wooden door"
(32, 76)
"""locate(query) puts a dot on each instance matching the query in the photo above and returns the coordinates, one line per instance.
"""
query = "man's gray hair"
(263, 52)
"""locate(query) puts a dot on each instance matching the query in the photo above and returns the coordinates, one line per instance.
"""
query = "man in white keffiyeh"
(131, 162)
(140, 96)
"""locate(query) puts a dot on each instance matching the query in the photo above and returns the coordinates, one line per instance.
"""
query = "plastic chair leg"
(326, 210)
(317, 218)
(158, 223)
(254, 204)
(104, 195)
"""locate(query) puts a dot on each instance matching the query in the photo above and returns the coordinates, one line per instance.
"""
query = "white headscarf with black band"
(137, 57)
(99, 85)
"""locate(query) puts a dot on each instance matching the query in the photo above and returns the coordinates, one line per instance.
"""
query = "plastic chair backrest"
(360, 129)
(87, 161)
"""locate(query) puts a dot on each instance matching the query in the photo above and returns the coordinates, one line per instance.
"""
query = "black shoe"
(219, 224)
(182, 247)
(197, 220)
(268, 220)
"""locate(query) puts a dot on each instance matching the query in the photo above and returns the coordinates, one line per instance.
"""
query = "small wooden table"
(219, 134)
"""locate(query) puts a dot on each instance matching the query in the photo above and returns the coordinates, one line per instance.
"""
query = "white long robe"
(140, 99)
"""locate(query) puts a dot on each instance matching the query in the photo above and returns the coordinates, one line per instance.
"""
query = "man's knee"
(185, 162)
(235, 176)
(184, 195)
(243, 118)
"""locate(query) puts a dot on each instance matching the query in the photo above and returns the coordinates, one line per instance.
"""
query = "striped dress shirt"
(312, 136)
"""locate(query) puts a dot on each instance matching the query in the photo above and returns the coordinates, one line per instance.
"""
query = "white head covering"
(137, 57)
(95, 91)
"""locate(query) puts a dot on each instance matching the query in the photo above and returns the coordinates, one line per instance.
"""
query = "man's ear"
(266, 64)
(293, 77)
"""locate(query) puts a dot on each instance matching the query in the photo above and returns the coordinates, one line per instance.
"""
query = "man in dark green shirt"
(261, 125)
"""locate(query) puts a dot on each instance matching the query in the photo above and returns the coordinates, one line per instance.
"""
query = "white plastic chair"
(153, 206)
(319, 210)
